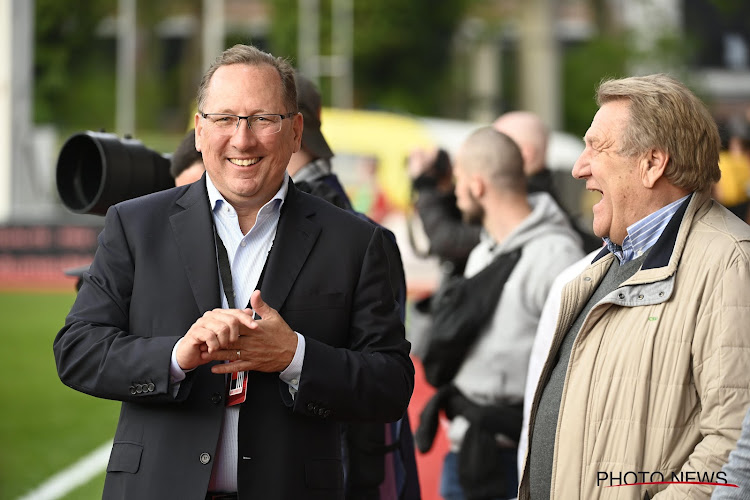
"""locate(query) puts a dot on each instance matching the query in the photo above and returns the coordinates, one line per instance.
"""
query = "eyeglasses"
(261, 125)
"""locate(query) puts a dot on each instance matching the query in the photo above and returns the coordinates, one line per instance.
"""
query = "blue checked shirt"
(643, 234)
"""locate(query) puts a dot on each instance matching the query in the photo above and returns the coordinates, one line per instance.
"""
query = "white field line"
(72, 477)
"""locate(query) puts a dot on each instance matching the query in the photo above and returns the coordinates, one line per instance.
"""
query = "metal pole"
(539, 61)
(308, 39)
(343, 47)
(6, 107)
(213, 30)
(126, 56)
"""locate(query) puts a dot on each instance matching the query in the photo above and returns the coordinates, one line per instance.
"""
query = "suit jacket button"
(132, 389)
(205, 458)
(151, 387)
(138, 388)
(216, 398)
(311, 407)
(326, 413)
(321, 411)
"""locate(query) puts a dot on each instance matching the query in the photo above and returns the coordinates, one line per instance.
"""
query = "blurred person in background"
(449, 237)
(737, 468)
(733, 188)
(531, 134)
(434, 199)
(186, 163)
(647, 366)
(223, 400)
(526, 239)
(379, 461)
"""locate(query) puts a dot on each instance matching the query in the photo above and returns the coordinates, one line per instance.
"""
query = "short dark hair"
(185, 155)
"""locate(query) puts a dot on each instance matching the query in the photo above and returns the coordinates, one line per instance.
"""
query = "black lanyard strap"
(225, 271)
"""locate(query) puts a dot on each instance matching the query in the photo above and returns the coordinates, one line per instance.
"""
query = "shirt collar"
(643, 234)
(216, 199)
(313, 170)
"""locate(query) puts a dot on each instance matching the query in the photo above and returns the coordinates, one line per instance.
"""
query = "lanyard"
(226, 272)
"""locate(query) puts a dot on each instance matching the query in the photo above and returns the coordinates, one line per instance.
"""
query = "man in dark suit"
(154, 325)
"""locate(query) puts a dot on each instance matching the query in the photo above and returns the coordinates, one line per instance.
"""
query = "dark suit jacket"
(155, 273)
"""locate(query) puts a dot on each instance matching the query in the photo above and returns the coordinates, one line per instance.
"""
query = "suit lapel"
(192, 228)
(297, 232)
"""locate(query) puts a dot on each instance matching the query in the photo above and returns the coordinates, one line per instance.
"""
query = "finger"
(238, 320)
(228, 324)
(217, 331)
(231, 356)
(259, 306)
(234, 366)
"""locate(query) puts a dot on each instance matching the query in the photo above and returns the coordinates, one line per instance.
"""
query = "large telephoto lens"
(96, 170)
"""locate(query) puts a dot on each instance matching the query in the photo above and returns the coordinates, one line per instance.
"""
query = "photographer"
(451, 239)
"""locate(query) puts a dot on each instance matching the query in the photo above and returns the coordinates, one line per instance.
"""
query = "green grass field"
(45, 426)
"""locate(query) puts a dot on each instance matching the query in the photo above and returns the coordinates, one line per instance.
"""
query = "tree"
(401, 49)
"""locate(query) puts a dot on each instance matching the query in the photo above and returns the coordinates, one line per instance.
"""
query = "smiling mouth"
(244, 163)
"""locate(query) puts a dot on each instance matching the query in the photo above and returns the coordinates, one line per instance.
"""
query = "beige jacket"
(659, 375)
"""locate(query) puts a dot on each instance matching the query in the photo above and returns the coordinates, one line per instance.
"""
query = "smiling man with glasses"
(212, 312)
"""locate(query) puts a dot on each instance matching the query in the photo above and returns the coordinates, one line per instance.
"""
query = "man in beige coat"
(646, 384)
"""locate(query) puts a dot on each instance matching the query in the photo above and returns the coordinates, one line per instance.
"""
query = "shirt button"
(216, 398)
(587, 278)
(243, 243)
(621, 296)
(295, 381)
(204, 458)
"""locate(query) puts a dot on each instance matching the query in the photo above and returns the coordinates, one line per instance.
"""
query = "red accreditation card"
(237, 388)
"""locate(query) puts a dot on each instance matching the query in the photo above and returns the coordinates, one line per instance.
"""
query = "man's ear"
(652, 167)
(298, 125)
(198, 131)
(477, 186)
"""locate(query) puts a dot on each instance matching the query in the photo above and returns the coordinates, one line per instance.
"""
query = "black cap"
(308, 101)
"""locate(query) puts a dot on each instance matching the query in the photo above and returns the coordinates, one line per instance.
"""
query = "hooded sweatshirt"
(495, 367)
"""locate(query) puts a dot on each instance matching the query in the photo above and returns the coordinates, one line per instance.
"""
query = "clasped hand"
(265, 345)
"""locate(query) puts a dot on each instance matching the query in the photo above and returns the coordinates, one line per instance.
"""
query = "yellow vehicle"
(372, 148)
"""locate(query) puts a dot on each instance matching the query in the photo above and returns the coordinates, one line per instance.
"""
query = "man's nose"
(244, 135)
(581, 166)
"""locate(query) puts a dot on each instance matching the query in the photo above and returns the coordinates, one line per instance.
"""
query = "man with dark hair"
(370, 448)
(647, 372)
(186, 163)
(211, 312)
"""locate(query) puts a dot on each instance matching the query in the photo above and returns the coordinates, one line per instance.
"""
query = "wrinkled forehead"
(610, 122)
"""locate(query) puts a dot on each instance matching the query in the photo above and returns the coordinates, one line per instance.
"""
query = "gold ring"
(238, 354)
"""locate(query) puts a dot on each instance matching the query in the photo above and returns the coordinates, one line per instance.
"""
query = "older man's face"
(247, 169)
(610, 173)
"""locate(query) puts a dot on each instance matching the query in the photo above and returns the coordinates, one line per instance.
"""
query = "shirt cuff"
(176, 374)
(293, 372)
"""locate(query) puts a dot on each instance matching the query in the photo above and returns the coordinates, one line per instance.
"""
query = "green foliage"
(69, 60)
(45, 426)
(584, 66)
(401, 49)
